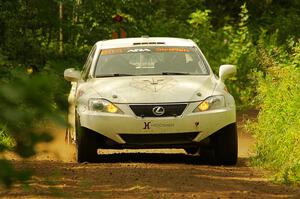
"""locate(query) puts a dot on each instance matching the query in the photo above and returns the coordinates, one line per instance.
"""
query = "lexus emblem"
(158, 110)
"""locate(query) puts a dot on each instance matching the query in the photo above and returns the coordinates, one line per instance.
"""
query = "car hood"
(153, 89)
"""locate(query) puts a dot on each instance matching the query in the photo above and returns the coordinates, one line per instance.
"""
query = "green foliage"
(26, 101)
(6, 141)
(243, 54)
(229, 45)
(240, 41)
(278, 125)
(212, 42)
(275, 16)
(200, 18)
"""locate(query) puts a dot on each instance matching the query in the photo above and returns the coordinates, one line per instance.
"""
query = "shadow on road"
(160, 158)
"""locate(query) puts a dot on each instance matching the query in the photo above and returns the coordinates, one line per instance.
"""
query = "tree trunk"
(75, 11)
(61, 35)
(74, 34)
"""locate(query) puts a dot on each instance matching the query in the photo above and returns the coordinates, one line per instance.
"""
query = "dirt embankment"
(144, 174)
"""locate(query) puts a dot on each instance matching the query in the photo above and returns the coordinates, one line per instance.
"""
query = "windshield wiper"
(114, 75)
(174, 73)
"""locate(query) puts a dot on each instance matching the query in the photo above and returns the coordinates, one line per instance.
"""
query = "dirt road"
(144, 174)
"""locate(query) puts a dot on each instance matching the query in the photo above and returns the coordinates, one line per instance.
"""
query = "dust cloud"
(57, 149)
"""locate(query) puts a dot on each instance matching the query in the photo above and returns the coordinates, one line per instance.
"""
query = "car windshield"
(149, 60)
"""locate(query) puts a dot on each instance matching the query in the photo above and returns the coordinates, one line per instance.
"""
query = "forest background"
(40, 39)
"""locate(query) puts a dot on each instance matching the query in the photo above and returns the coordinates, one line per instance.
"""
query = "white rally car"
(151, 92)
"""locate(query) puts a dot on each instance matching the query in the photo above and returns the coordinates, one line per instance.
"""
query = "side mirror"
(226, 71)
(72, 75)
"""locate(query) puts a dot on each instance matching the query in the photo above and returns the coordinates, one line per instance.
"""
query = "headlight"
(103, 105)
(211, 103)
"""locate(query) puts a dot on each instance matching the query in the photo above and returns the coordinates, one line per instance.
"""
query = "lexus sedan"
(151, 92)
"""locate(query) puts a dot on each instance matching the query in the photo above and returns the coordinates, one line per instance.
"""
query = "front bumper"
(113, 126)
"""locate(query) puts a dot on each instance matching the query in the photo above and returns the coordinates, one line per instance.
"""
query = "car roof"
(144, 41)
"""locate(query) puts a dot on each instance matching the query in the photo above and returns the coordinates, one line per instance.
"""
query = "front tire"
(225, 145)
(86, 144)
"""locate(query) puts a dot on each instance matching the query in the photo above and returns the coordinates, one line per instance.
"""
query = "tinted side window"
(88, 63)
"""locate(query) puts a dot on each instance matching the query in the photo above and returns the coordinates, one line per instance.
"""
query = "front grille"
(170, 110)
(166, 138)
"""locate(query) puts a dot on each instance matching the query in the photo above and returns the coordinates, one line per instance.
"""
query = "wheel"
(225, 145)
(86, 144)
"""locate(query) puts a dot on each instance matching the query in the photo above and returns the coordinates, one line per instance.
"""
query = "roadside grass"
(278, 125)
